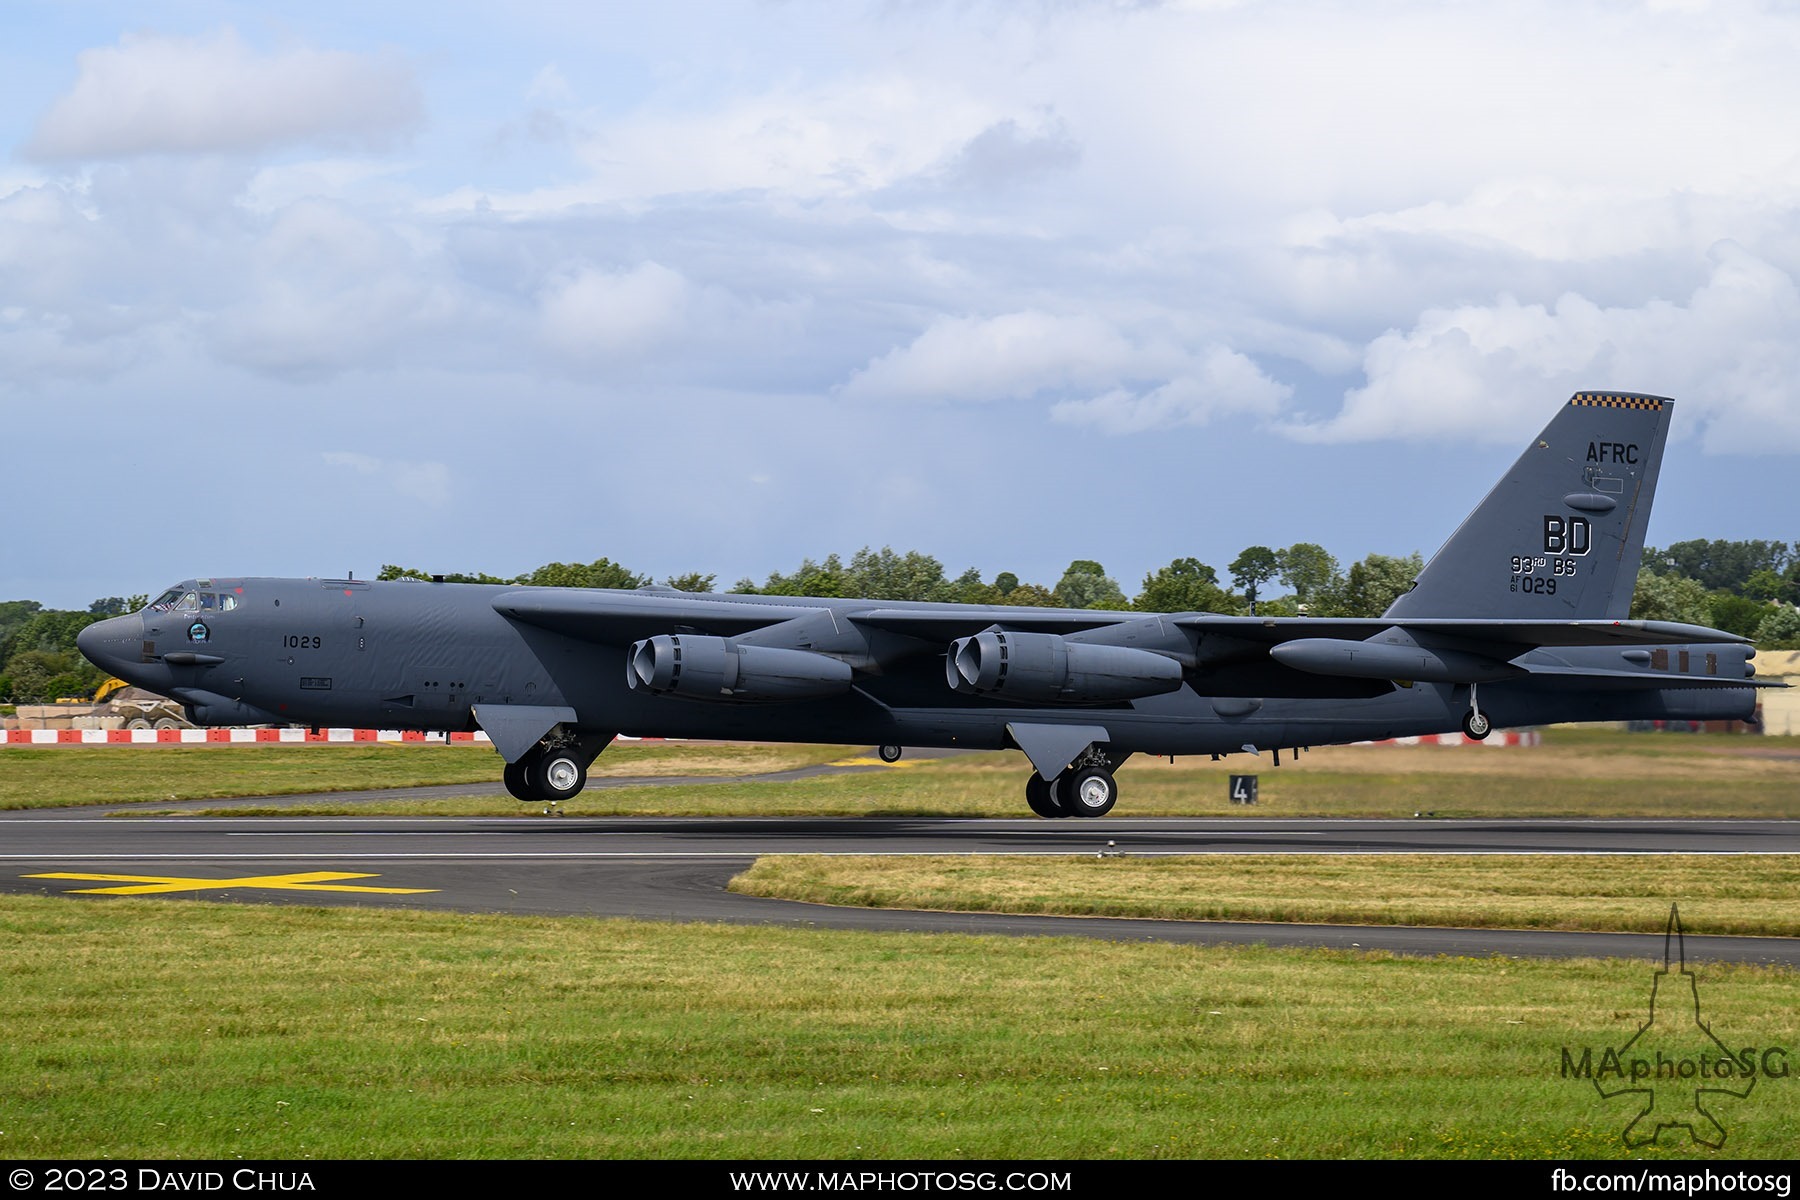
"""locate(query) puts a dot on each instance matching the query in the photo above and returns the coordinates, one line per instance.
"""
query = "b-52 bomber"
(1521, 618)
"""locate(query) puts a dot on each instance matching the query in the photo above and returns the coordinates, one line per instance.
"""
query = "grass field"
(1598, 773)
(1752, 894)
(159, 1029)
(54, 776)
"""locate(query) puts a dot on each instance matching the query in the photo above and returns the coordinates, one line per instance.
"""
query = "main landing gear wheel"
(1090, 792)
(1475, 723)
(1042, 800)
(558, 775)
(517, 777)
(888, 753)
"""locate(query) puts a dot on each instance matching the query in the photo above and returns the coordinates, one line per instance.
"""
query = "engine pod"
(714, 668)
(1047, 668)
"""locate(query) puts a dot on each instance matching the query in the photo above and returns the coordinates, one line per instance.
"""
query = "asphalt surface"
(676, 869)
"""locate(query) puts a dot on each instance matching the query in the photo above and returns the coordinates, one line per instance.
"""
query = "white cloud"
(1145, 378)
(1006, 357)
(1730, 352)
(160, 94)
(1222, 382)
(426, 482)
(325, 289)
(596, 316)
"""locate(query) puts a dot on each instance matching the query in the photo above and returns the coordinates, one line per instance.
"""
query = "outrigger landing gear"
(889, 753)
(1475, 723)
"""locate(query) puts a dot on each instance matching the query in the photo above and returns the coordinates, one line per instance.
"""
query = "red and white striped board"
(209, 737)
(1500, 737)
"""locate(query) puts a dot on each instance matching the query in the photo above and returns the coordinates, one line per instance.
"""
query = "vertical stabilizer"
(1561, 534)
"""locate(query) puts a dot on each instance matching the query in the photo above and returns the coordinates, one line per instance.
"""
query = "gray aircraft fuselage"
(1519, 619)
(415, 655)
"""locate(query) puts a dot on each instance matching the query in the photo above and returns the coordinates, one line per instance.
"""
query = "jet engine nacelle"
(1048, 668)
(713, 668)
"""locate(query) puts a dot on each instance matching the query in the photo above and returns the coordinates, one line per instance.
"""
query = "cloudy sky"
(296, 289)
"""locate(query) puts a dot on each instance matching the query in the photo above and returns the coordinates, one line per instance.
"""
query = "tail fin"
(1561, 535)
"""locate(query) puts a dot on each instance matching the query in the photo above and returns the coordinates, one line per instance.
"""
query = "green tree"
(1185, 585)
(1251, 569)
(1670, 598)
(1720, 563)
(1780, 630)
(1767, 585)
(40, 676)
(693, 581)
(1086, 585)
(812, 579)
(390, 571)
(968, 588)
(1369, 586)
(1032, 595)
(1307, 569)
(1736, 614)
(601, 573)
(884, 575)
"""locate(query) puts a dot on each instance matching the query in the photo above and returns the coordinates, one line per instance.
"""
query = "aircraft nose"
(112, 644)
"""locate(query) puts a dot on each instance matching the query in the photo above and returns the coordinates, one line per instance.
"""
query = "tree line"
(1749, 588)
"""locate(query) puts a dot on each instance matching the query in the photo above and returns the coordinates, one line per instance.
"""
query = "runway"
(676, 869)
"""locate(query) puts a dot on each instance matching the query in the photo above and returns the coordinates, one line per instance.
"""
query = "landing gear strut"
(1475, 723)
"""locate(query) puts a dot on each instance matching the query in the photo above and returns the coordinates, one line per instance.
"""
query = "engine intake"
(713, 668)
(1046, 668)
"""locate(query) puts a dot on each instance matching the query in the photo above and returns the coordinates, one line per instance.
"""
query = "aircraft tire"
(1039, 795)
(559, 775)
(888, 753)
(1088, 793)
(1476, 724)
(517, 777)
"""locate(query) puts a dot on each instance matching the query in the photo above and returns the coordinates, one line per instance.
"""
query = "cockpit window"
(182, 599)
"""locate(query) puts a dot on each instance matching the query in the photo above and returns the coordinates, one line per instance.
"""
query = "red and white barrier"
(208, 737)
(236, 737)
(1500, 737)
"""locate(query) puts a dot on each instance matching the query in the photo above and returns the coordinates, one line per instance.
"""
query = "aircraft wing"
(619, 617)
(1516, 635)
(1450, 650)
(941, 623)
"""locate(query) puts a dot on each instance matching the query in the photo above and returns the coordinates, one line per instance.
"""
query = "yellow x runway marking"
(146, 885)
